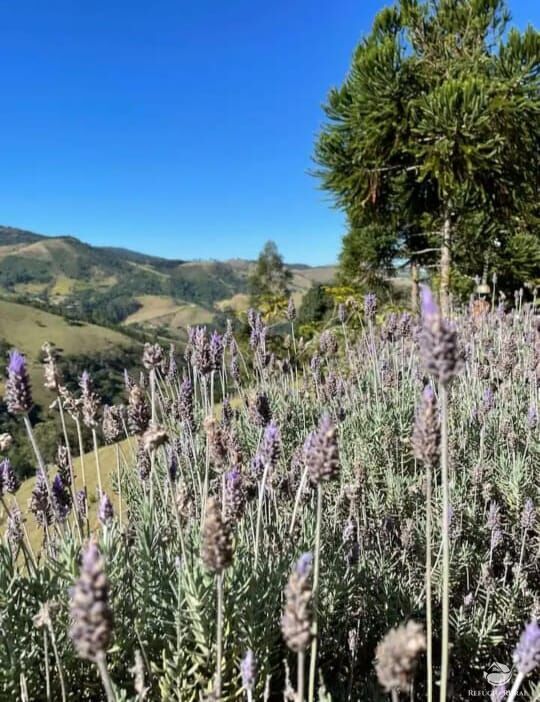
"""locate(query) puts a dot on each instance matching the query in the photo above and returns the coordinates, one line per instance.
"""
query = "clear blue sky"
(183, 129)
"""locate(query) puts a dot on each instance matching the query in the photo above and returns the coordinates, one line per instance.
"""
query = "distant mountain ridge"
(113, 285)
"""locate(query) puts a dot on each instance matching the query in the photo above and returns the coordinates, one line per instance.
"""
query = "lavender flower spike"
(527, 652)
(106, 511)
(438, 341)
(248, 670)
(92, 619)
(18, 390)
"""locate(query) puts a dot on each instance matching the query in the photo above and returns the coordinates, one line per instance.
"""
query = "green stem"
(70, 461)
(58, 663)
(106, 678)
(316, 568)
(47, 671)
(118, 478)
(81, 450)
(37, 452)
(429, 614)
(300, 680)
(219, 634)
(445, 645)
(98, 466)
(515, 687)
(262, 489)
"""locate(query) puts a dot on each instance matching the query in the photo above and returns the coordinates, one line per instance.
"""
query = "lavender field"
(349, 518)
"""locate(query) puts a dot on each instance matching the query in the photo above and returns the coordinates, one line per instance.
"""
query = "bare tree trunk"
(446, 263)
(414, 287)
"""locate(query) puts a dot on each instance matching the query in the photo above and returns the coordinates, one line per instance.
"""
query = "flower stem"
(98, 466)
(443, 395)
(106, 678)
(219, 634)
(515, 687)
(429, 613)
(316, 568)
(300, 676)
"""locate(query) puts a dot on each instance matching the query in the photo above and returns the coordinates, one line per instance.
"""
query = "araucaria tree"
(431, 145)
(269, 281)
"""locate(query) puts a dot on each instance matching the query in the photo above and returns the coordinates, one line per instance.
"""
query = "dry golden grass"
(107, 461)
(27, 328)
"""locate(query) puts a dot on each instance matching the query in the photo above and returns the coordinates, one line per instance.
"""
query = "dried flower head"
(152, 356)
(81, 503)
(271, 445)
(370, 305)
(39, 503)
(138, 411)
(5, 442)
(528, 515)
(113, 423)
(291, 310)
(61, 499)
(397, 654)
(216, 346)
(322, 452)
(438, 341)
(217, 547)
(106, 510)
(425, 438)
(235, 495)
(90, 402)
(260, 411)
(53, 378)
(298, 613)
(92, 620)
(14, 531)
(184, 405)
(154, 437)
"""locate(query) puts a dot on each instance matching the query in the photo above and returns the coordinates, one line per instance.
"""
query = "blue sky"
(183, 129)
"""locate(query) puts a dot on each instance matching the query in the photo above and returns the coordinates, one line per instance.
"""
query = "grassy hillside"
(109, 285)
(27, 328)
(107, 462)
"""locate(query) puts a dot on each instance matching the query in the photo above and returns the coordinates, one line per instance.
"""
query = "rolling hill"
(27, 328)
(108, 285)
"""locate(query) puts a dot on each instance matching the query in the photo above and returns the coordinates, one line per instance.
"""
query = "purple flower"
(322, 452)
(527, 651)
(248, 670)
(304, 564)
(216, 350)
(370, 305)
(257, 465)
(9, 481)
(528, 515)
(488, 400)
(61, 499)
(532, 417)
(291, 310)
(271, 444)
(18, 390)
(105, 511)
(428, 305)
(81, 503)
(438, 341)
(17, 363)
(234, 494)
